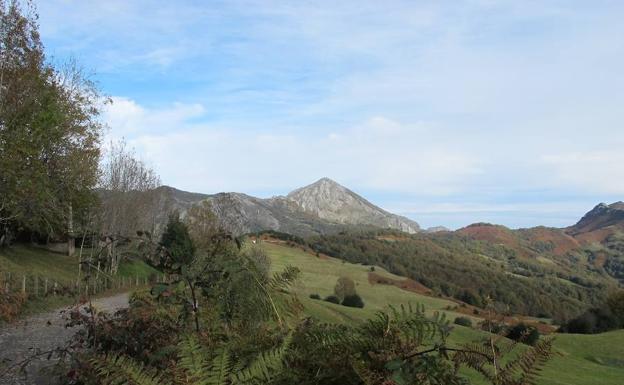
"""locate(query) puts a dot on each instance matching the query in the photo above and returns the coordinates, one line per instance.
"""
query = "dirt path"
(42, 332)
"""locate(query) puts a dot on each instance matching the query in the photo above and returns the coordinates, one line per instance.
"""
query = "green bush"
(353, 301)
(524, 333)
(463, 321)
(332, 299)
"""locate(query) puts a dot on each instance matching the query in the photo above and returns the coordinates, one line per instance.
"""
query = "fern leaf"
(193, 360)
(266, 365)
(220, 369)
(121, 370)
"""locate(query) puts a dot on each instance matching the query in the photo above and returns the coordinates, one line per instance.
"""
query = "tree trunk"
(71, 241)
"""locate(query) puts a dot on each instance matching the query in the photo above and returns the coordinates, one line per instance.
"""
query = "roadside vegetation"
(54, 174)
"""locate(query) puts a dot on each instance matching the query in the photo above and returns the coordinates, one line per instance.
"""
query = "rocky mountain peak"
(322, 207)
(333, 202)
(600, 217)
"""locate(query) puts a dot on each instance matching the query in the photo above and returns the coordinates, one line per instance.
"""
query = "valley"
(239, 193)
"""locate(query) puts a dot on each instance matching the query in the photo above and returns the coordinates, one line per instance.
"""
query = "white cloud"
(125, 117)
(378, 154)
(471, 100)
(593, 171)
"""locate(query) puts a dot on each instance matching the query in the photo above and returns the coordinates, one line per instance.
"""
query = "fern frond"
(266, 365)
(533, 360)
(478, 356)
(193, 360)
(282, 280)
(121, 370)
(220, 369)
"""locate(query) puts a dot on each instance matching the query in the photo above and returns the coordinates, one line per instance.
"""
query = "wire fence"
(37, 286)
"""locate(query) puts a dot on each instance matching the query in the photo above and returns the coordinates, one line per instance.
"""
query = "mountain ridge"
(324, 206)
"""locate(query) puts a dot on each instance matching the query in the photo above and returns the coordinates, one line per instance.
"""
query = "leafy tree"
(345, 287)
(202, 224)
(609, 316)
(615, 302)
(49, 133)
(179, 249)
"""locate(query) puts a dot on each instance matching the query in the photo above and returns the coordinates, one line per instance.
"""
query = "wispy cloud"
(471, 101)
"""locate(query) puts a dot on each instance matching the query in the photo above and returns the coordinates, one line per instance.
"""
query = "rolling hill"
(582, 360)
(576, 265)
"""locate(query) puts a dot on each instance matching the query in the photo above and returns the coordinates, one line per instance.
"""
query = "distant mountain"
(320, 208)
(334, 203)
(594, 243)
(436, 229)
(598, 224)
(601, 223)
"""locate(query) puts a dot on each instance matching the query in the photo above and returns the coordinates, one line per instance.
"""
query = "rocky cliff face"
(600, 217)
(322, 207)
(334, 203)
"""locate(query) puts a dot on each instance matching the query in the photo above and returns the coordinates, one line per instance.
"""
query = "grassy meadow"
(581, 360)
(20, 260)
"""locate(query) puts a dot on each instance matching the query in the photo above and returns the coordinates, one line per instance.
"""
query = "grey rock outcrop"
(320, 208)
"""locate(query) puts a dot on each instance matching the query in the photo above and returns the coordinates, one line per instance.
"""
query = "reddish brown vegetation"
(10, 305)
(405, 284)
(563, 243)
(491, 233)
(596, 236)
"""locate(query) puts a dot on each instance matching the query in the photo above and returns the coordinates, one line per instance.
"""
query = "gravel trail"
(42, 332)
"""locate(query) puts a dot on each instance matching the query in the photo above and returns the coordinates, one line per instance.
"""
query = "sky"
(447, 112)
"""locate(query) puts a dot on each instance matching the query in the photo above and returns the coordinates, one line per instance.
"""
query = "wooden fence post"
(45, 288)
(55, 287)
(24, 284)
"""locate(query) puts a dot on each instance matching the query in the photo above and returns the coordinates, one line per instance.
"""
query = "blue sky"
(448, 112)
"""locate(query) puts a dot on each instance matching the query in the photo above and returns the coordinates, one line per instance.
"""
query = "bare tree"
(127, 189)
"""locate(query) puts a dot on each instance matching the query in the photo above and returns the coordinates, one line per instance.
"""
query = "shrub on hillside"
(353, 301)
(523, 333)
(315, 296)
(332, 299)
(600, 319)
(492, 326)
(596, 320)
(463, 321)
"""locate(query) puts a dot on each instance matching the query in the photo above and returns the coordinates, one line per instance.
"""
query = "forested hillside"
(473, 271)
